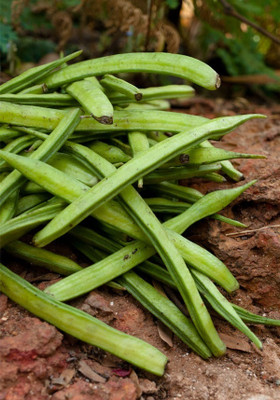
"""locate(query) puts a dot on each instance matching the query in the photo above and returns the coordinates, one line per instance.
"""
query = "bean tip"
(138, 96)
(218, 82)
(105, 119)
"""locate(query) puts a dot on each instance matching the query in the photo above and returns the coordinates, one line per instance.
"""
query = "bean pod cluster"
(91, 157)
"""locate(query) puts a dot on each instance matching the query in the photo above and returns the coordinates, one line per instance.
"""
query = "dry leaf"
(236, 343)
(64, 378)
(165, 333)
(85, 369)
(134, 377)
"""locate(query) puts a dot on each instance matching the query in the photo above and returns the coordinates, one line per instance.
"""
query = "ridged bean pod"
(156, 93)
(32, 75)
(94, 101)
(81, 325)
(113, 83)
(49, 147)
(42, 258)
(133, 170)
(161, 63)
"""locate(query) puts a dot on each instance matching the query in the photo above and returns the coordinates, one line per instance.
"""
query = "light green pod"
(45, 100)
(48, 148)
(165, 311)
(93, 100)
(42, 258)
(138, 142)
(161, 63)
(16, 146)
(207, 205)
(113, 83)
(8, 134)
(32, 75)
(36, 89)
(177, 173)
(73, 167)
(16, 227)
(81, 325)
(8, 208)
(156, 93)
(48, 118)
(27, 202)
(111, 153)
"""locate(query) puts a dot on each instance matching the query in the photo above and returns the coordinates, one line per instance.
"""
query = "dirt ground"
(37, 362)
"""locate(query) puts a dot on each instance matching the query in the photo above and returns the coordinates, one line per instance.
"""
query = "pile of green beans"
(76, 143)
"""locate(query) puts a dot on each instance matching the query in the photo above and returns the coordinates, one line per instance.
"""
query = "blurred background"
(240, 39)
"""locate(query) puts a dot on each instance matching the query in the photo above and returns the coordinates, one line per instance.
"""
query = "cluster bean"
(74, 141)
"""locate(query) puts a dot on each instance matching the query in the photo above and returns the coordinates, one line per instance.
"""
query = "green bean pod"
(227, 166)
(73, 167)
(130, 172)
(49, 147)
(150, 225)
(42, 258)
(147, 105)
(164, 310)
(25, 203)
(88, 236)
(252, 318)
(160, 205)
(219, 303)
(113, 83)
(138, 142)
(161, 63)
(177, 173)
(93, 100)
(32, 75)
(222, 306)
(68, 188)
(63, 186)
(48, 118)
(8, 208)
(111, 153)
(81, 325)
(16, 227)
(158, 305)
(207, 205)
(35, 89)
(181, 192)
(16, 146)
(156, 93)
(8, 134)
(45, 100)
(203, 155)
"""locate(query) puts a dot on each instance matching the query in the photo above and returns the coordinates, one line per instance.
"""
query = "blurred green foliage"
(242, 49)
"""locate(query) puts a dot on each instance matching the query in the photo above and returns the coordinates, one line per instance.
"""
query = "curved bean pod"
(32, 75)
(156, 93)
(93, 100)
(131, 171)
(207, 205)
(42, 258)
(111, 82)
(161, 63)
(45, 100)
(48, 118)
(81, 325)
(48, 148)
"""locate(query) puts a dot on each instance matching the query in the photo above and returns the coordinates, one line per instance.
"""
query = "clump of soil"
(37, 362)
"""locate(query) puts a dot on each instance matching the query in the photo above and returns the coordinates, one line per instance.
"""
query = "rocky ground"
(37, 362)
